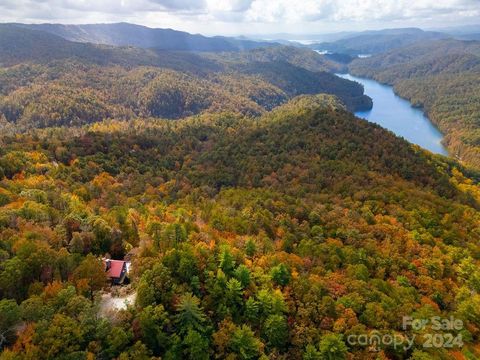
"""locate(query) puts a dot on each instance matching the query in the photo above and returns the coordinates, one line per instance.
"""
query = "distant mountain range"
(20, 43)
(351, 43)
(124, 34)
(374, 42)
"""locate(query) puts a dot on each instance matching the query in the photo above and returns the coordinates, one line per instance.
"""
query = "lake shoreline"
(398, 115)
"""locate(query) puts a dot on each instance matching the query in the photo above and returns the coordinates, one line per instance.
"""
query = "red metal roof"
(116, 267)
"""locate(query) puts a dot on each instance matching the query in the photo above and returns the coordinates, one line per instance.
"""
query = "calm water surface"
(396, 114)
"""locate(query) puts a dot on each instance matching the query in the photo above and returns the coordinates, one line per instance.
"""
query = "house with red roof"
(116, 270)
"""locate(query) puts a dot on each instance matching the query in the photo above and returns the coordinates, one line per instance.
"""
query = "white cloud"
(246, 15)
(354, 10)
(229, 5)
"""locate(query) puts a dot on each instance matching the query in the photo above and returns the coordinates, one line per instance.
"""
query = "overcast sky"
(248, 16)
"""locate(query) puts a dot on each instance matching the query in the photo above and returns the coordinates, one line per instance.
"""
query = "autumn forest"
(259, 217)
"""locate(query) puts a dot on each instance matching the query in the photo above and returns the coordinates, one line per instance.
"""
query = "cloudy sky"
(249, 16)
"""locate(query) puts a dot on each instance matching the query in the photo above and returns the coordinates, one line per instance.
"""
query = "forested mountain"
(275, 237)
(374, 42)
(85, 83)
(18, 45)
(124, 34)
(442, 77)
(300, 57)
(421, 59)
(71, 94)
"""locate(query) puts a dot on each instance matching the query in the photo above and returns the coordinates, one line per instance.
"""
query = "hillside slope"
(301, 57)
(279, 236)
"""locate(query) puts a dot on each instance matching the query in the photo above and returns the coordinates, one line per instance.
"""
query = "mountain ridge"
(378, 41)
(126, 34)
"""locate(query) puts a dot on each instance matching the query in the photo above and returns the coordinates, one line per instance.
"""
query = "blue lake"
(396, 114)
